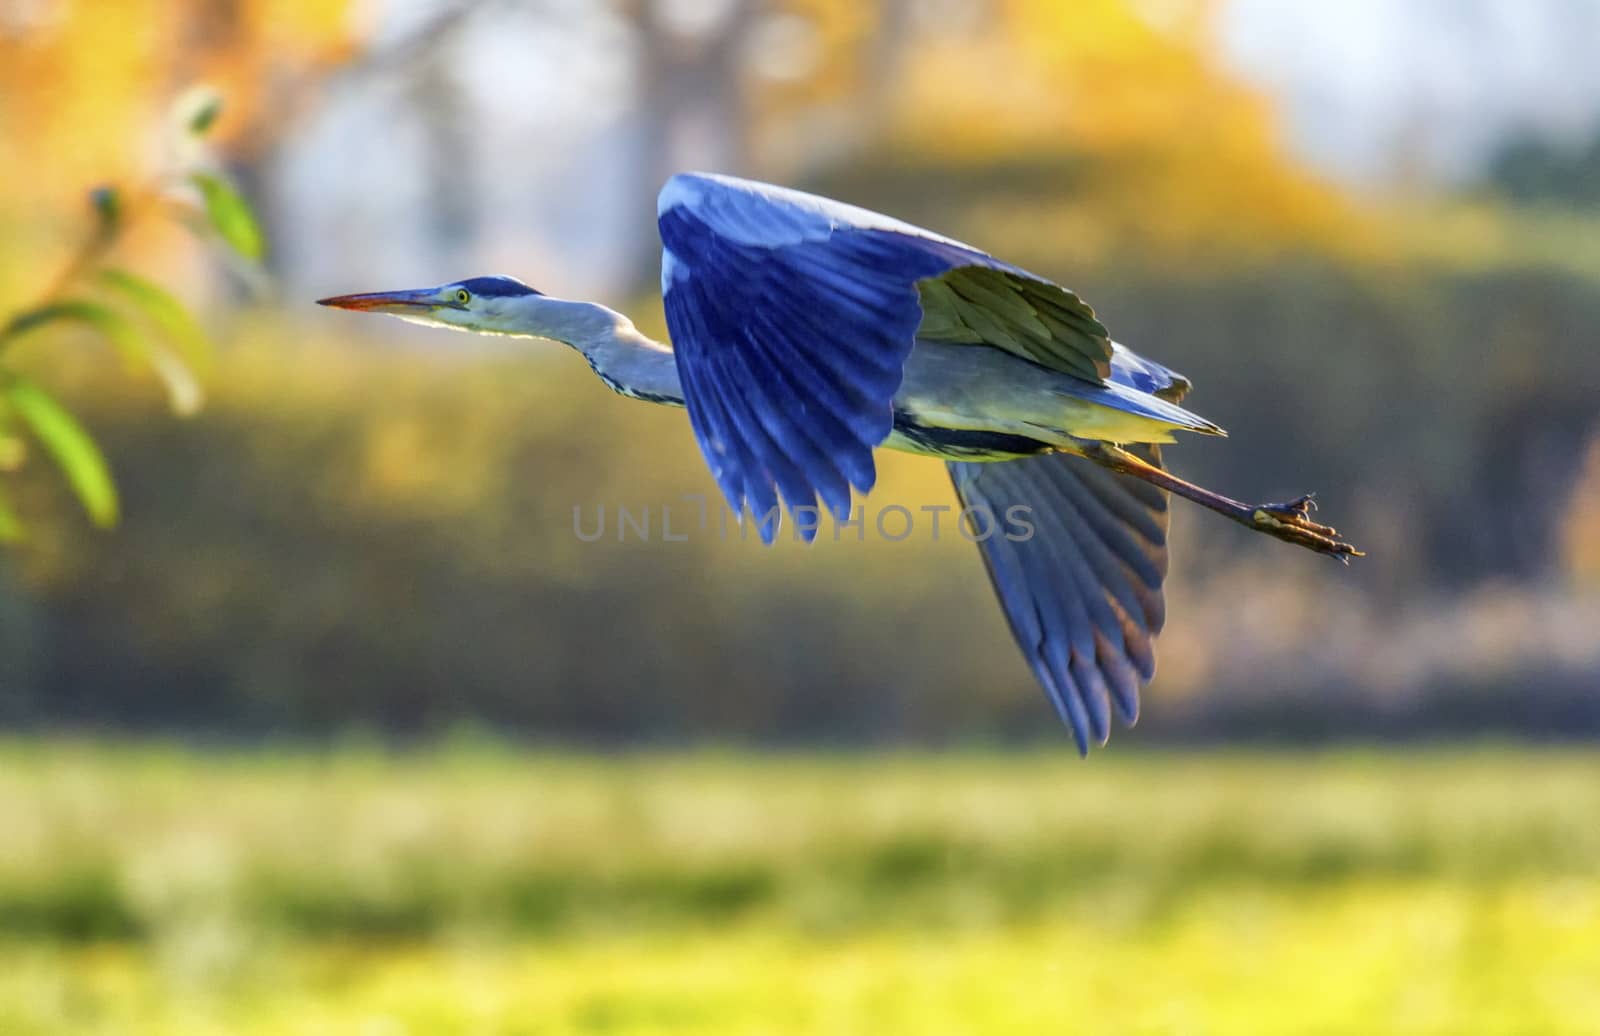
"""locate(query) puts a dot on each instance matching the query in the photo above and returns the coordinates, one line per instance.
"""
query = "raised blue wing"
(791, 320)
(1082, 589)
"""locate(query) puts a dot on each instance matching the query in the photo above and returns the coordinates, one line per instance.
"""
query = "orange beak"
(385, 301)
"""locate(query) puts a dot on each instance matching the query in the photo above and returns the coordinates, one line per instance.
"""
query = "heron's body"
(979, 396)
(807, 333)
(1018, 407)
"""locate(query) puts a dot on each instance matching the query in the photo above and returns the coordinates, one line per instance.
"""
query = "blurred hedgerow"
(145, 325)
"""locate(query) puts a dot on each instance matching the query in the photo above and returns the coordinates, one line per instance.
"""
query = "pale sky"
(1376, 89)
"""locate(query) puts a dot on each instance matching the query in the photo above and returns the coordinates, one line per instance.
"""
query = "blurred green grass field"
(475, 889)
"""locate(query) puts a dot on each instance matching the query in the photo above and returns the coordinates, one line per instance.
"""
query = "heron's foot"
(1291, 522)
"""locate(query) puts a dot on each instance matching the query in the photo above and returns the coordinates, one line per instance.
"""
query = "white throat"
(630, 363)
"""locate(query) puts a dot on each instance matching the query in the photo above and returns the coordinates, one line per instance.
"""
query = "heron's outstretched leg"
(1290, 522)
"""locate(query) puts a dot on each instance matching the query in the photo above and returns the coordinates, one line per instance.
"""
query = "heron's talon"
(1291, 523)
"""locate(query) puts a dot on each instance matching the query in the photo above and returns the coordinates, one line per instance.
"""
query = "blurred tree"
(1171, 156)
(448, 152)
(1113, 114)
(72, 77)
(109, 66)
(1087, 130)
(1530, 168)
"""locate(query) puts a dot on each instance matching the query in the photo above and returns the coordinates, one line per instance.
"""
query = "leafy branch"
(145, 325)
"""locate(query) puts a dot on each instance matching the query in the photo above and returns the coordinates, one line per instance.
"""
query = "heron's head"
(487, 305)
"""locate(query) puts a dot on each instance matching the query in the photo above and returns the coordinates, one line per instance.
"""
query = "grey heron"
(807, 332)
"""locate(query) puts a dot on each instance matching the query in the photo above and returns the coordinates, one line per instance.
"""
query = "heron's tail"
(1144, 404)
(1120, 414)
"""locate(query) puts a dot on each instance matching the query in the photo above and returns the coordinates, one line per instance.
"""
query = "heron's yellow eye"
(463, 296)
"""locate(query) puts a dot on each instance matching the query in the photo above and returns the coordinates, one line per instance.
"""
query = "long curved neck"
(630, 363)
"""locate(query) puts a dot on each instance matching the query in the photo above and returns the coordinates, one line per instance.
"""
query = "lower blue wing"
(1080, 583)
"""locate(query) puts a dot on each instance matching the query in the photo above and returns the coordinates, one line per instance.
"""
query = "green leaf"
(197, 109)
(11, 529)
(30, 320)
(230, 215)
(166, 312)
(183, 391)
(72, 448)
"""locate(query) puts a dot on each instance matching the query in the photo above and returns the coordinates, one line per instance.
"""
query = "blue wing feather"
(1082, 593)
